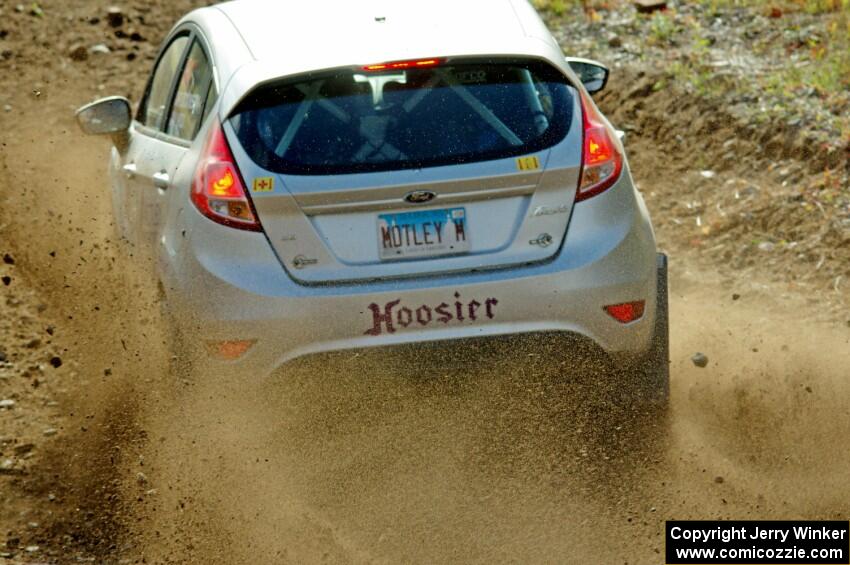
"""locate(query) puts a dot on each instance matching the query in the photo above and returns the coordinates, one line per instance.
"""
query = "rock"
(33, 343)
(141, 478)
(615, 41)
(50, 432)
(767, 246)
(7, 468)
(736, 296)
(24, 448)
(99, 49)
(32, 549)
(56, 362)
(78, 53)
(708, 174)
(7, 280)
(649, 6)
(700, 360)
(719, 480)
(8, 259)
(7, 107)
(115, 16)
(3, 357)
(7, 403)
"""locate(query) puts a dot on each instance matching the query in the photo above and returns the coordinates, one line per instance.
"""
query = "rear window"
(353, 121)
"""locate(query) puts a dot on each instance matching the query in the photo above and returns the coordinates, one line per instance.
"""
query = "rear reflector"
(229, 350)
(627, 312)
(402, 65)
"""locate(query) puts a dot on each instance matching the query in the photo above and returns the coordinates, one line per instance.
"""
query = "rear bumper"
(224, 284)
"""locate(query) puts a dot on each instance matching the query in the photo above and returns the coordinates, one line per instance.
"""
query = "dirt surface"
(107, 457)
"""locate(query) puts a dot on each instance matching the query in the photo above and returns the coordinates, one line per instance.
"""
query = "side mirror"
(105, 116)
(592, 74)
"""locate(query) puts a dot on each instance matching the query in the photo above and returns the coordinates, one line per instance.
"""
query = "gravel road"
(498, 452)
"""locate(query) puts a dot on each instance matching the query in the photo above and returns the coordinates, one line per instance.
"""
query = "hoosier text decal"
(385, 318)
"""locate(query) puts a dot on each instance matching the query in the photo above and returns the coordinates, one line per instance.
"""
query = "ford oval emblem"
(420, 196)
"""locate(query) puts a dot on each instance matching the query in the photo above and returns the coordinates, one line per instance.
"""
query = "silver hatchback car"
(316, 177)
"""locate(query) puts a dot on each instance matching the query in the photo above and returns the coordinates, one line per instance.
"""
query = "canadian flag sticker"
(263, 184)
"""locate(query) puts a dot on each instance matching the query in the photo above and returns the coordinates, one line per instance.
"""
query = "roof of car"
(360, 29)
(289, 38)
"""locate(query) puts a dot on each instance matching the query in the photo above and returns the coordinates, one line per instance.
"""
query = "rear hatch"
(411, 168)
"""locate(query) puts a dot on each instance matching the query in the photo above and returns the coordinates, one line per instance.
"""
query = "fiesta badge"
(420, 196)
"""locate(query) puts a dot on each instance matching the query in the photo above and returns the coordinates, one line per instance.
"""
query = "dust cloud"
(500, 452)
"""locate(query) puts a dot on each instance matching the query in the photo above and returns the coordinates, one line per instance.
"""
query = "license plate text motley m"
(423, 233)
(395, 314)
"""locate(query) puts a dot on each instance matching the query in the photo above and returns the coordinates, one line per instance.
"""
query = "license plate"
(423, 233)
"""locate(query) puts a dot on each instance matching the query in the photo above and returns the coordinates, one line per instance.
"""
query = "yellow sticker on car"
(528, 163)
(263, 184)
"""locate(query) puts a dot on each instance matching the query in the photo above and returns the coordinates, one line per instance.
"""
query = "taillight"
(601, 160)
(217, 189)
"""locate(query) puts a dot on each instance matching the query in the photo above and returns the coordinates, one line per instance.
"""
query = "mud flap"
(656, 366)
(645, 382)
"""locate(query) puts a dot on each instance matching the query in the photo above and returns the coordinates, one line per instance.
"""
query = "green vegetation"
(556, 7)
(662, 29)
(814, 49)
